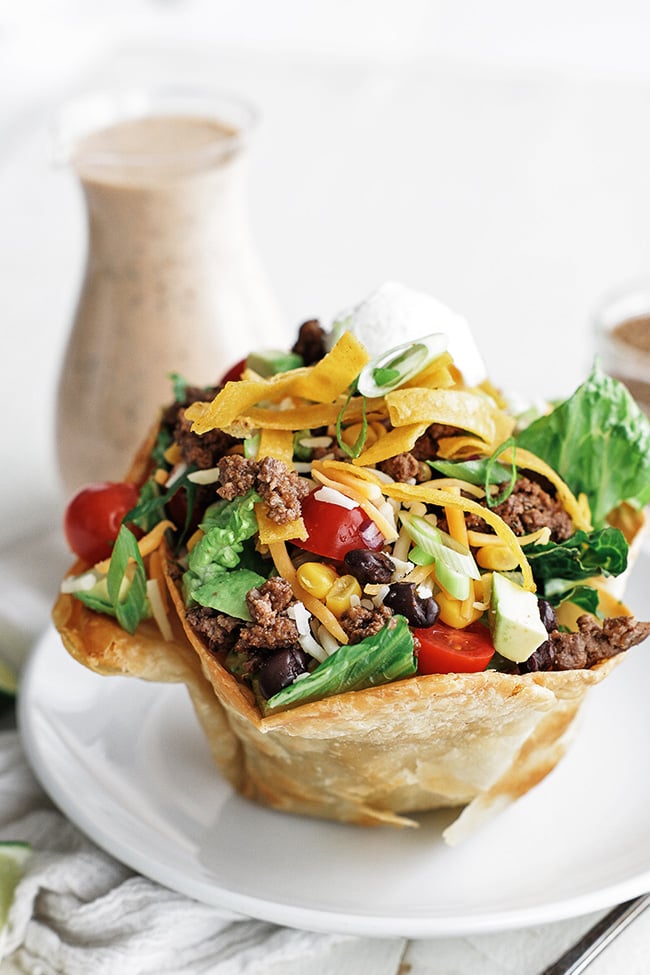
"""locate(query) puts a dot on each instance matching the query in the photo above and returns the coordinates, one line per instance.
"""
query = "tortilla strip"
(466, 410)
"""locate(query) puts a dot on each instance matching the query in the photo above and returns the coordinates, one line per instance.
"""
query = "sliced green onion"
(396, 366)
(133, 606)
(455, 564)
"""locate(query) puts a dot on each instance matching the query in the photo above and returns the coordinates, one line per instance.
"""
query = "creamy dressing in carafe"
(172, 283)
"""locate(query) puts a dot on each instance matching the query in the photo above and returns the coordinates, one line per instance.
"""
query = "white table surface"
(518, 193)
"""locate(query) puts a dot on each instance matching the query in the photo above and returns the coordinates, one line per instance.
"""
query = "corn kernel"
(496, 557)
(173, 455)
(454, 613)
(339, 598)
(316, 578)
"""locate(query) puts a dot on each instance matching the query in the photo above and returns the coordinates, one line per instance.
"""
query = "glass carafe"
(172, 281)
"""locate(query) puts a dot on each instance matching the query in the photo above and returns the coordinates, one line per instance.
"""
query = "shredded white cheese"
(301, 617)
(312, 442)
(158, 609)
(82, 583)
(331, 496)
(209, 476)
(176, 474)
(330, 645)
(312, 647)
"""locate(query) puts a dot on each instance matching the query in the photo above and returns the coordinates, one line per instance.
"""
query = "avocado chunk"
(270, 361)
(515, 624)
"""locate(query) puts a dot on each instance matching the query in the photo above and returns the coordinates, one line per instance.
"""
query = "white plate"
(126, 761)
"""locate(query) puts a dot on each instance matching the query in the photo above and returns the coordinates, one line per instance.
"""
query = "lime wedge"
(8, 679)
(12, 860)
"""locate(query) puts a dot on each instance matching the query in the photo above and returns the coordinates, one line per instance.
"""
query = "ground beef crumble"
(528, 508)
(360, 622)
(276, 483)
(401, 467)
(426, 446)
(593, 643)
(218, 630)
(202, 451)
(269, 629)
(237, 475)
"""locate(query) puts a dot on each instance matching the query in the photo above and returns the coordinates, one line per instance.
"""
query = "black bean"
(540, 659)
(403, 598)
(280, 669)
(369, 567)
(547, 615)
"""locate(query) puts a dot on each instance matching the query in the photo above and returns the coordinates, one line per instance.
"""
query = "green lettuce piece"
(558, 591)
(226, 591)
(583, 555)
(227, 525)
(387, 656)
(558, 566)
(150, 507)
(598, 441)
(220, 566)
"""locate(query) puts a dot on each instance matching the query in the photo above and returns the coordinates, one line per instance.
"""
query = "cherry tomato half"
(334, 530)
(446, 650)
(93, 517)
(234, 373)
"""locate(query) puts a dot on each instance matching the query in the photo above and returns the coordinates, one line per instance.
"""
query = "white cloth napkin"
(77, 911)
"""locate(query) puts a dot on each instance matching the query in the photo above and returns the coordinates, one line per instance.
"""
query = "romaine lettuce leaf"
(227, 525)
(226, 591)
(582, 556)
(215, 575)
(560, 568)
(598, 441)
(379, 659)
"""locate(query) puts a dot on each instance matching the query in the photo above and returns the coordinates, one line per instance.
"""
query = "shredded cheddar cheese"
(317, 608)
(423, 492)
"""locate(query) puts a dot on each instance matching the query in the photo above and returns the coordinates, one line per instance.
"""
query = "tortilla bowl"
(477, 741)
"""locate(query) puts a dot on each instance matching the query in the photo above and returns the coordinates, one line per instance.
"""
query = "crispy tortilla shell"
(369, 757)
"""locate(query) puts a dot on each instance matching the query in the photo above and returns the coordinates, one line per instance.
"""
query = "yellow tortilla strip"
(392, 443)
(235, 399)
(455, 407)
(437, 375)
(340, 465)
(461, 447)
(276, 443)
(307, 417)
(334, 373)
(321, 383)
(271, 532)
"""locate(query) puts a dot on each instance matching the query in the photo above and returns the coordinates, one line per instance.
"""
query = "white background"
(494, 154)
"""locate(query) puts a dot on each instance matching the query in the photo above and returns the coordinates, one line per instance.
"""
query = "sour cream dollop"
(394, 314)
